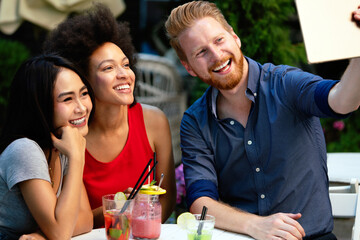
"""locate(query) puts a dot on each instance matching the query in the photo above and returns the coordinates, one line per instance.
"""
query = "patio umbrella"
(46, 13)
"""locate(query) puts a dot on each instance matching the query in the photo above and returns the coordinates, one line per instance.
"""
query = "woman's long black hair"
(30, 110)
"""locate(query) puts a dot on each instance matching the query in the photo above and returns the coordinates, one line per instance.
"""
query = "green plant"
(12, 54)
(342, 135)
(264, 28)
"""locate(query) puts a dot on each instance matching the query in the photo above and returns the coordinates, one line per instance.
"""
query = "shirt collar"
(251, 91)
(213, 97)
(253, 79)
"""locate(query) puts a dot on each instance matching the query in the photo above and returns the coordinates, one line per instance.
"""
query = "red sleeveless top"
(122, 172)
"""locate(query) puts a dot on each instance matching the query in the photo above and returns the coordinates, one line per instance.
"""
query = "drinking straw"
(161, 179)
(137, 190)
(141, 176)
(147, 175)
(154, 173)
(202, 217)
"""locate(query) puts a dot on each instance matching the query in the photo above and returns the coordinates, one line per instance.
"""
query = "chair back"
(159, 84)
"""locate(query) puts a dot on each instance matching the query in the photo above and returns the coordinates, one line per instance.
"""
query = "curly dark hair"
(79, 36)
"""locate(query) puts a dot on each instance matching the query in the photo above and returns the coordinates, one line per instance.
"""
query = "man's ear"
(188, 68)
(237, 39)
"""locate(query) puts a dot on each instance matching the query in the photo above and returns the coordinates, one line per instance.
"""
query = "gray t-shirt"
(22, 160)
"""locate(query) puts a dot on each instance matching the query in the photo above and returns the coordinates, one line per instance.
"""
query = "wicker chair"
(159, 84)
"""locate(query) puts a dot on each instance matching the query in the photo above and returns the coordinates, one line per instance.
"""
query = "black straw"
(137, 190)
(147, 175)
(202, 217)
(141, 176)
(203, 213)
(154, 173)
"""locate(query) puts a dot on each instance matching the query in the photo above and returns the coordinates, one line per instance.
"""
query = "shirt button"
(232, 122)
(257, 169)
(262, 196)
(249, 142)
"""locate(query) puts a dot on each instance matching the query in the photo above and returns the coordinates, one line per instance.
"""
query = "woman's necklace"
(52, 164)
(51, 176)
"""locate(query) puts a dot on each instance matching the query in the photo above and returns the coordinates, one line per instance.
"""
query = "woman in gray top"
(42, 149)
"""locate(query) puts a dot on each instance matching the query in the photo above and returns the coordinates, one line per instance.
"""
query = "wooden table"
(168, 232)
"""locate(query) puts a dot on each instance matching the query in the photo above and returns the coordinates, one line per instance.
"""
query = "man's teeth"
(77, 122)
(222, 66)
(122, 87)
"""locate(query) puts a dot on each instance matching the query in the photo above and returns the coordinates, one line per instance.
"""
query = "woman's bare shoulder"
(154, 118)
(153, 113)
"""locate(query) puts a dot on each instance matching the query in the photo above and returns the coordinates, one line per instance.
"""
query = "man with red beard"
(253, 148)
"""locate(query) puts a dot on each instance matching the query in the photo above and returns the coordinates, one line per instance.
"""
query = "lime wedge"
(120, 196)
(115, 233)
(184, 219)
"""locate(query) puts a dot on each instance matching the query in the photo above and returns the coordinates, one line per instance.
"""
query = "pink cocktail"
(146, 217)
(146, 228)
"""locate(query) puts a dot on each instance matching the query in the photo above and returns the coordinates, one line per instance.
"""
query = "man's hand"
(277, 226)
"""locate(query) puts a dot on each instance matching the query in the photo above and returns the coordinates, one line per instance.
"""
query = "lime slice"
(120, 199)
(120, 196)
(184, 219)
(115, 233)
(152, 190)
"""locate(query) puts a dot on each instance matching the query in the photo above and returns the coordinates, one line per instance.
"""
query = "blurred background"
(269, 31)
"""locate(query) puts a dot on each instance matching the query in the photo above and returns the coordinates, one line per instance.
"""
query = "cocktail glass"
(117, 222)
(146, 217)
(204, 232)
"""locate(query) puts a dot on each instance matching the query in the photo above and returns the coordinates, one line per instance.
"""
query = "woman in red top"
(123, 134)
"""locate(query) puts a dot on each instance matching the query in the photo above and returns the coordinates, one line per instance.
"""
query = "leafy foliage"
(12, 54)
(264, 28)
(345, 139)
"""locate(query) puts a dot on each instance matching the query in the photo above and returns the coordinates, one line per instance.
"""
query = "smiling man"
(252, 146)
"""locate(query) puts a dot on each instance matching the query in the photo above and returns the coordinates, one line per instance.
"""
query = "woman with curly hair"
(123, 134)
(42, 158)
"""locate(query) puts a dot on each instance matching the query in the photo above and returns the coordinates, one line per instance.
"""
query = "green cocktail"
(200, 229)
(205, 235)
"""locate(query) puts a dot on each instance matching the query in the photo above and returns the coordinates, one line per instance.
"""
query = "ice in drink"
(117, 217)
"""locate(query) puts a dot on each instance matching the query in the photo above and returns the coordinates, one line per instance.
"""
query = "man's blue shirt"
(278, 162)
